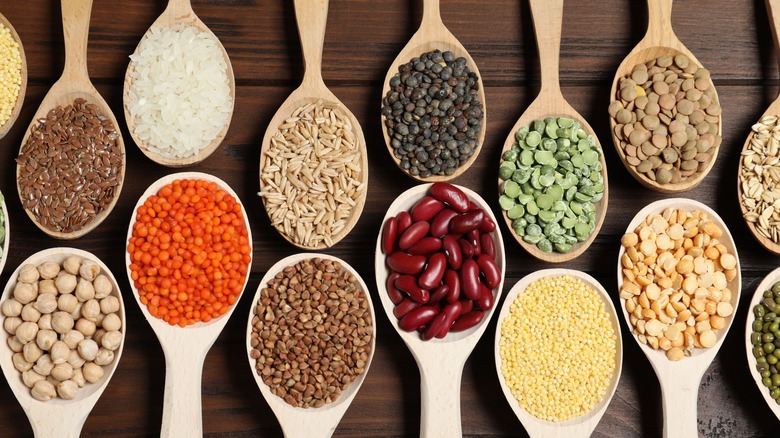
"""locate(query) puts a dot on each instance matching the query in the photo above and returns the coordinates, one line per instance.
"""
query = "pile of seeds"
(552, 179)
(765, 339)
(70, 168)
(10, 74)
(759, 177)
(558, 348)
(64, 326)
(311, 175)
(311, 333)
(433, 114)
(667, 119)
(675, 281)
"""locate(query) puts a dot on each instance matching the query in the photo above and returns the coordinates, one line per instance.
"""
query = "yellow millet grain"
(558, 348)
(10, 73)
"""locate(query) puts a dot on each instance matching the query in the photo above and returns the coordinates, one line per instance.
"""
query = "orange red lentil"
(189, 252)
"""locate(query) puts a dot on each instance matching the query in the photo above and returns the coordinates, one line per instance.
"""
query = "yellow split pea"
(10, 74)
(558, 348)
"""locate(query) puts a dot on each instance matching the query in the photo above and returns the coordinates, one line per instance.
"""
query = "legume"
(10, 74)
(439, 267)
(70, 168)
(311, 332)
(675, 281)
(61, 340)
(759, 177)
(667, 118)
(552, 179)
(189, 252)
(433, 115)
(765, 339)
(558, 348)
(311, 176)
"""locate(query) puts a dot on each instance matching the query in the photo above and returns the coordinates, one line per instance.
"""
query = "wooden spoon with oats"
(313, 161)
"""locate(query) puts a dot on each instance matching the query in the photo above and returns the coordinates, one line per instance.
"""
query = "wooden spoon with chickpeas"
(63, 320)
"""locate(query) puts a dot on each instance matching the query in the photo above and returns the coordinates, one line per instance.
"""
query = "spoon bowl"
(586, 423)
(660, 40)
(765, 284)
(680, 379)
(312, 16)
(310, 422)
(440, 360)
(4, 128)
(74, 84)
(59, 417)
(548, 18)
(185, 348)
(432, 35)
(179, 12)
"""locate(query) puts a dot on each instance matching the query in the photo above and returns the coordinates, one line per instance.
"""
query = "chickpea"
(28, 274)
(59, 353)
(66, 283)
(63, 371)
(84, 290)
(67, 303)
(30, 313)
(46, 303)
(89, 270)
(72, 265)
(11, 324)
(104, 357)
(30, 377)
(78, 377)
(92, 372)
(88, 349)
(48, 270)
(31, 352)
(87, 328)
(44, 323)
(76, 313)
(24, 293)
(109, 304)
(27, 331)
(62, 322)
(11, 307)
(72, 338)
(102, 286)
(44, 365)
(43, 390)
(111, 322)
(15, 344)
(45, 338)
(67, 389)
(98, 336)
(90, 310)
(111, 340)
(47, 287)
(20, 363)
(75, 360)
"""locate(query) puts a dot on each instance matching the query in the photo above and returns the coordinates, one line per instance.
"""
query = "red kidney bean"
(404, 307)
(469, 279)
(466, 249)
(488, 245)
(473, 238)
(473, 206)
(426, 209)
(450, 312)
(485, 301)
(418, 318)
(441, 223)
(439, 294)
(404, 221)
(450, 195)
(490, 270)
(408, 284)
(465, 306)
(434, 327)
(404, 263)
(467, 321)
(487, 225)
(452, 250)
(425, 246)
(452, 280)
(389, 233)
(395, 295)
(431, 276)
(466, 222)
(414, 233)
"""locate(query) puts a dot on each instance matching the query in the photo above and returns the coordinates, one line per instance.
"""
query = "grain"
(759, 176)
(311, 176)
(10, 74)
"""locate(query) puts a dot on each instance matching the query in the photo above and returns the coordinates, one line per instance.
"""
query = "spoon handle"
(440, 388)
(548, 19)
(431, 15)
(75, 28)
(773, 10)
(680, 396)
(50, 422)
(659, 23)
(312, 17)
(182, 413)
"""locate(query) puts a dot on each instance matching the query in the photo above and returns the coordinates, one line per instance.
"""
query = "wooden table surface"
(731, 38)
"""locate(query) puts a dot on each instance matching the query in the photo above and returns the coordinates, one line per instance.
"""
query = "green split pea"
(765, 339)
(552, 179)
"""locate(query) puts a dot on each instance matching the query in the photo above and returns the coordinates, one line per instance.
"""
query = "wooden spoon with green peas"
(661, 43)
(544, 180)
(5, 127)
(767, 284)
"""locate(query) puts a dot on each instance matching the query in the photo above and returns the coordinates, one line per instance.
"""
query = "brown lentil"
(70, 167)
(311, 333)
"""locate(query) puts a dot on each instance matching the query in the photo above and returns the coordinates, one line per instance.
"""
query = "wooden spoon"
(308, 422)
(432, 35)
(4, 128)
(659, 40)
(773, 9)
(185, 349)
(583, 425)
(73, 84)
(548, 17)
(58, 417)
(680, 380)
(179, 12)
(440, 360)
(758, 295)
(312, 16)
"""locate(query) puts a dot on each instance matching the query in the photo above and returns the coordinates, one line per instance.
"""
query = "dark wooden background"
(731, 38)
